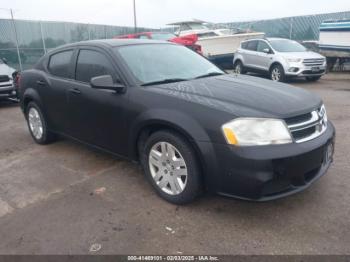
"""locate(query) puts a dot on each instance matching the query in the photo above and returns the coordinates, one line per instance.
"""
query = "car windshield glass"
(159, 62)
(284, 45)
(162, 36)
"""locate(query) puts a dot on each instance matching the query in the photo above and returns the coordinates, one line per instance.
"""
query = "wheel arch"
(178, 122)
(30, 95)
(238, 59)
(275, 63)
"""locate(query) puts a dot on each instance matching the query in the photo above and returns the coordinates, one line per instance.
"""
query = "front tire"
(171, 167)
(313, 78)
(277, 73)
(37, 125)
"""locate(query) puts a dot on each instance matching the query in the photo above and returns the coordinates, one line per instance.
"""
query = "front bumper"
(300, 70)
(7, 91)
(269, 172)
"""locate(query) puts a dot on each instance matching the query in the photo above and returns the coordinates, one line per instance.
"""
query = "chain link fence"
(298, 28)
(35, 38)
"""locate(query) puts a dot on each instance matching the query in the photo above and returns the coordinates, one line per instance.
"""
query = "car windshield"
(151, 63)
(162, 36)
(284, 45)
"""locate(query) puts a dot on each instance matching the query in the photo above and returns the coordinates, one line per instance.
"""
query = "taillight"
(198, 49)
(17, 80)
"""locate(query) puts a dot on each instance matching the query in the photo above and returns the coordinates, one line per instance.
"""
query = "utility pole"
(135, 23)
(17, 47)
(42, 37)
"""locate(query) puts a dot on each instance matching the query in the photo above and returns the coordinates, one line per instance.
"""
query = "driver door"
(96, 116)
(263, 58)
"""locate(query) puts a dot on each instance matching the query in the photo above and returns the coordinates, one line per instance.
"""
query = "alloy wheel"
(168, 168)
(276, 74)
(35, 123)
(238, 69)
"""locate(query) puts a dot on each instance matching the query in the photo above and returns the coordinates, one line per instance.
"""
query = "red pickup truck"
(188, 41)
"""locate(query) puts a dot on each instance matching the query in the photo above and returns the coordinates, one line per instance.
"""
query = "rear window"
(59, 64)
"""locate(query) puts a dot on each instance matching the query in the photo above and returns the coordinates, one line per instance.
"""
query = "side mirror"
(4, 60)
(105, 82)
(266, 50)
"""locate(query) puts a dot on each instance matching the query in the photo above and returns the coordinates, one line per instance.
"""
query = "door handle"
(40, 82)
(75, 91)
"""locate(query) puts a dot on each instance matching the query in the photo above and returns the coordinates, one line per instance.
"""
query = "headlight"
(256, 131)
(293, 60)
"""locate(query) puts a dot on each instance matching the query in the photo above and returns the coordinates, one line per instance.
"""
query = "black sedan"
(191, 126)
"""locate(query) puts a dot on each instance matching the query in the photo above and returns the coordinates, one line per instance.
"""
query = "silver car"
(7, 85)
(280, 58)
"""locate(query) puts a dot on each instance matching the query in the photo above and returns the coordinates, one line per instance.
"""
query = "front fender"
(172, 118)
(185, 125)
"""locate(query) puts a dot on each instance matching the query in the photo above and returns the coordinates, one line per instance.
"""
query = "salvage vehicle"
(191, 126)
(334, 42)
(280, 59)
(189, 41)
(218, 45)
(7, 76)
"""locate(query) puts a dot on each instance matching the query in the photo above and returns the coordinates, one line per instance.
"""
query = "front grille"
(298, 119)
(308, 126)
(313, 61)
(4, 78)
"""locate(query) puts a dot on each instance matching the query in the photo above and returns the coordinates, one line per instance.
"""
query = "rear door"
(250, 54)
(97, 116)
(53, 87)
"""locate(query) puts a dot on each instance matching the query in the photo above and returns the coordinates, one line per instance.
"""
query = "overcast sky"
(157, 13)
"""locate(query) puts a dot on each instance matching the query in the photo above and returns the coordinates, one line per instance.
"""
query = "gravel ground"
(65, 198)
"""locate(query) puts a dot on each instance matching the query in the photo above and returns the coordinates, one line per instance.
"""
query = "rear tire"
(277, 73)
(313, 78)
(239, 68)
(171, 167)
(37, 125)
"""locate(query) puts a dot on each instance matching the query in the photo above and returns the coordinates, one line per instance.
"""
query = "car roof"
(266, 39)
(114, 42)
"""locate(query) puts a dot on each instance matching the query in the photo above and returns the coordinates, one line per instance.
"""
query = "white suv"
(280, 58)
(7, 85)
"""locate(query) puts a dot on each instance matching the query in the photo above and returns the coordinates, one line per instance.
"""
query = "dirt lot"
(48, 204)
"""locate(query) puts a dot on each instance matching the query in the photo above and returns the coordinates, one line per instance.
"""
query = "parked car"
(189, 41)
(280, 59)
(191, 126)
(7, 76)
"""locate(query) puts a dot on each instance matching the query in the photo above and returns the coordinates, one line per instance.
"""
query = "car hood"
(244, 96)
(6, 70)
(302, 55)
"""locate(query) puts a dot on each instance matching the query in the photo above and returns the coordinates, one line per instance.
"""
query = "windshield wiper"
(210, 74)
(164, 81)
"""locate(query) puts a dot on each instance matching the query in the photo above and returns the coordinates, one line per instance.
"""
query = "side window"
(59, 64)
(90, 64)
(252, 45)
(262, 45)
(244, 45)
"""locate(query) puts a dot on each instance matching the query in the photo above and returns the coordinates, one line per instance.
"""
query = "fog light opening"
(293, 69)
